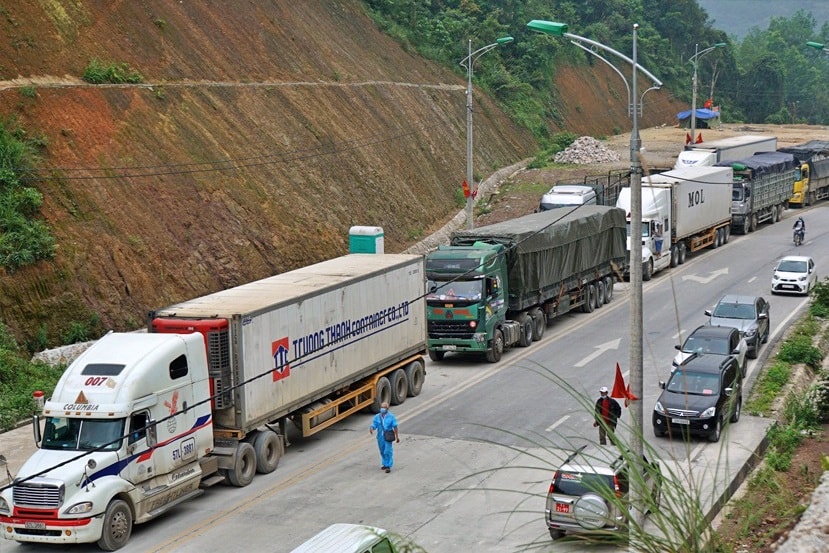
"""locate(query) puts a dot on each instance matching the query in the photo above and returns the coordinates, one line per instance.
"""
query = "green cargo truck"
(496, 286)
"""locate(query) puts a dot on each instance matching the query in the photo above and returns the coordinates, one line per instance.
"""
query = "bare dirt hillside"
(261, 132)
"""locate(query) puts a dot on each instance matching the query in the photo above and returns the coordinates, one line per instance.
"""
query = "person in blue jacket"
(386, 425)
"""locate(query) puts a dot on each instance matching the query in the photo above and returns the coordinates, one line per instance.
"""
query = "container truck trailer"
(726, 149)
(682, 210)
(143, 421)
(497, 286)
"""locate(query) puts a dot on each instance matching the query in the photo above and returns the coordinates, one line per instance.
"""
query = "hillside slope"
(261, 133)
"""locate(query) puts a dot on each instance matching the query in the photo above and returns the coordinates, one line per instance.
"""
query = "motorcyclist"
(800, 228)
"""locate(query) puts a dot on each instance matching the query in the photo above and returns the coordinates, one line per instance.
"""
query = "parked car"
(350, 538)
(699, 397)
(748, 314)
(589, 491)
(567, 195)
(794, 273)
(713, 340)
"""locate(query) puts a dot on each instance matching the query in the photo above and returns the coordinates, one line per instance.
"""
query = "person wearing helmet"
(607, 415)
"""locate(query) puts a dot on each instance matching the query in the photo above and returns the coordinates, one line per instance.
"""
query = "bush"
(799, 349)
(98, 72)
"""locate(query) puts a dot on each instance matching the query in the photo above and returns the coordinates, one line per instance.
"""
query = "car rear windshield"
(579, 483)
(707, 345)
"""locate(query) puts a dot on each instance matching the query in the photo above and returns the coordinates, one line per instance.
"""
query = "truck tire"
(399, 386)
(526, 337)
(268, 449)
(608, 289)
(753, 223)
(716, 243)
(683, 252)
(382, 394)
(117, 526)
(745, 228)
(773, 218)
(726, 233)
(589, 298)
(647, 269)
(245, 466)
(493, 354)
(436, 355)
(674, 256)
(599, 294)
(539, 320)
(416, 376)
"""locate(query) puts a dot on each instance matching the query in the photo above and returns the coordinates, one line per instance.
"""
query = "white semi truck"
(682, 210)
(143, 421)
(727, 149)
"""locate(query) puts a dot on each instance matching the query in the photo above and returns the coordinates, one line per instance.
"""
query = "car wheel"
(735, 416)
(556, 534)
(714, 436)
(752, 350)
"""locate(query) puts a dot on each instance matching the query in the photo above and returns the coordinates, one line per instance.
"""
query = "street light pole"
(468, 63)
(694, 61)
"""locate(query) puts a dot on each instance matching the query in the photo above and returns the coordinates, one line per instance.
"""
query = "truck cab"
(466, 298)
(122, 437)
(657, 253)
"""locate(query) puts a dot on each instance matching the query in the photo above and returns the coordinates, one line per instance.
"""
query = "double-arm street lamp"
(636, 356)
(470, 189)
(694, 61)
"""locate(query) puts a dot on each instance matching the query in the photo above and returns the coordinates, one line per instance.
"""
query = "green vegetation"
(18, 379)
(23, 238)
(769, 76)
(28, 92)
(99, 72)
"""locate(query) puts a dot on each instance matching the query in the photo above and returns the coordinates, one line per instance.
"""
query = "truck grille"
(449, 329)
(42, 493)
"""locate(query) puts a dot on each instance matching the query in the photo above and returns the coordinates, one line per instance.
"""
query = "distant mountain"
(737, 17)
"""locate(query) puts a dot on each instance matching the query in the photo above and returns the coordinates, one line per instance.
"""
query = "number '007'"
(95, 380)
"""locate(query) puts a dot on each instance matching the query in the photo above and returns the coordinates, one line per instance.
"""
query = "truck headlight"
(4, 507)
(709, 413)
(79, 508)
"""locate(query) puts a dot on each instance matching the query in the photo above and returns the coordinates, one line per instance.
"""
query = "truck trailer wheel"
(399, 386)
(245, 466)
(526, 337)
(674, 256)
(416, 376)
(599, 294)
(774, 215)
(493, 354)
(268, 449)
(382, 394)
(589, 298)
(753, 223)
(539, 320)
(608, 289)
(683, 252)
(746, 226)
(117, 526)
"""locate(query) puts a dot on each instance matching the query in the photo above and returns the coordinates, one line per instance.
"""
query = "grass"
(100, 72)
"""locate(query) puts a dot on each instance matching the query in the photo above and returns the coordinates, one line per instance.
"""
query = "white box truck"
(141, 422)
(727, 149)
(682, 210)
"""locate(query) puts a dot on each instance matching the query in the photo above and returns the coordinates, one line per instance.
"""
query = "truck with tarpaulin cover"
(763, 185)
(143, 421)
(812, 179)
(497, 286)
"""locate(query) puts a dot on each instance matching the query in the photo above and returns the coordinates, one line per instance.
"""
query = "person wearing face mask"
(386, 426)
(607, 415)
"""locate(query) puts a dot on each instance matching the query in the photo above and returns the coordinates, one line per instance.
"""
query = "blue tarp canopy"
(708, 118)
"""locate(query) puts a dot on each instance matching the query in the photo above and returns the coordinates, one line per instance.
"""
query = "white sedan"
(795, 274)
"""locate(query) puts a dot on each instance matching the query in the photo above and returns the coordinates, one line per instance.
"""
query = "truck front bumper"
(41, 530)
(477, 343)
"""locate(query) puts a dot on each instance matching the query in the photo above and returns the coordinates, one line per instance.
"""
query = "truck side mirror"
(152, 434)
(36, 429)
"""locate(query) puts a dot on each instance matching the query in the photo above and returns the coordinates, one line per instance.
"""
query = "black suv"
(698, 398)
(590, 492)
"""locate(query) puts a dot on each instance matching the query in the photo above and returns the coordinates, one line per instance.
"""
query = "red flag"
(699, 139)
(619, 384)
(687, 138)
(465, 187)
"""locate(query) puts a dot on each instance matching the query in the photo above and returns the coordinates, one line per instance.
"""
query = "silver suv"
(590, 492)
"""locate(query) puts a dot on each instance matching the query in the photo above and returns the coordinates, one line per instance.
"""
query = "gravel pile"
(586, 150)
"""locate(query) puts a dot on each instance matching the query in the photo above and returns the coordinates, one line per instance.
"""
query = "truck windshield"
(458, 289)
(68, 433)
(737, 194)
(645, 229)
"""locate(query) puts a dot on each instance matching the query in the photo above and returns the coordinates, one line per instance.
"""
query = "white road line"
(556, 424)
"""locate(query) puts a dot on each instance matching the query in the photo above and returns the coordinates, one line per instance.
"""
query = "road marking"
(556, 424)
(705, 280)
(752, 279)
(600, 349)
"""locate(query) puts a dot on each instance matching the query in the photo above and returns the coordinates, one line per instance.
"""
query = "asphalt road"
(481, 441)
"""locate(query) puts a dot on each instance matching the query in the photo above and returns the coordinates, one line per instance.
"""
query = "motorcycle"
(799, 235)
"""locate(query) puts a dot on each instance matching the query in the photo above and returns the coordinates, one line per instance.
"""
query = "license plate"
(681, 421)
(562, 508)
(450, 348)
(36, 525)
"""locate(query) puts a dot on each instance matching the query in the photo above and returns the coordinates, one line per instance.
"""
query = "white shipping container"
(321, 327)
(701, 197)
